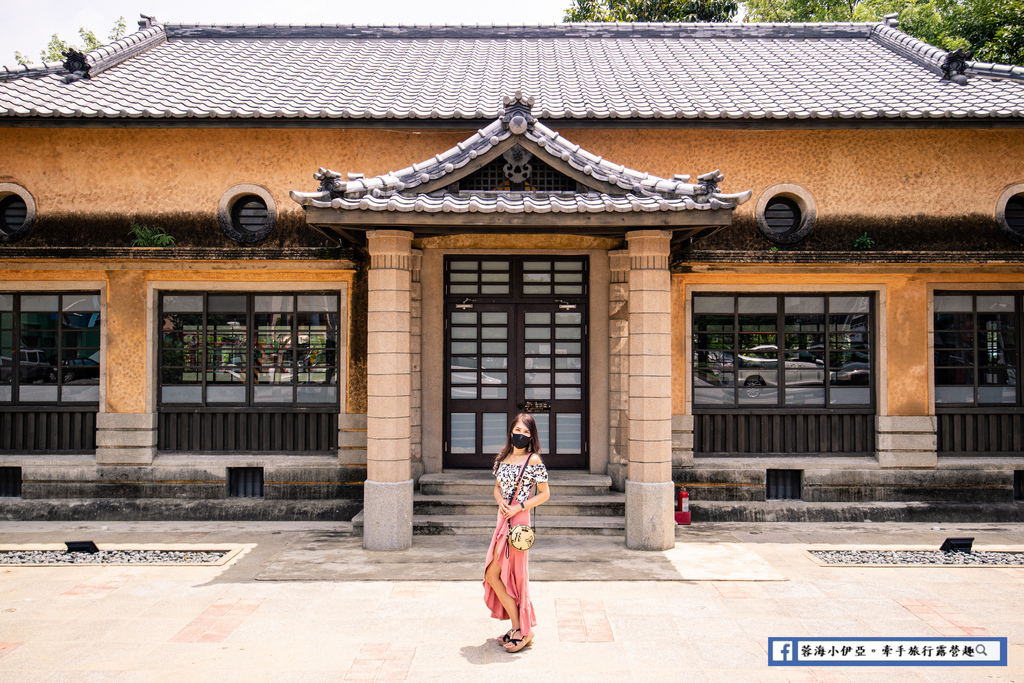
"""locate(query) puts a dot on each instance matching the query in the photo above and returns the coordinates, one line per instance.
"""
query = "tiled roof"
(574, 71)
(627, 190)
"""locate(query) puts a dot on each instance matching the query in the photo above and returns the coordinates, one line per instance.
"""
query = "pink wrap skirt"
(515, 574)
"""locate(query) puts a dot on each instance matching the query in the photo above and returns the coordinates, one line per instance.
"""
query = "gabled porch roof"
(610, 199)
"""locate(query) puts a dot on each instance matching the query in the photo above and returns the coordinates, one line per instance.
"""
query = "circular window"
(1010, 213)
(785, 214)
(246, 213)
(17, 212)
(250, 214)
(782, 215)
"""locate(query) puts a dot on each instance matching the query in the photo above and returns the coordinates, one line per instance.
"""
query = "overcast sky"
(28, 24)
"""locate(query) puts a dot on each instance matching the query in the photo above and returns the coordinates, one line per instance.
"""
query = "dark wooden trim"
(784, 433)
(61, 429)
(980, 432)
(247, 430)
(426, 224)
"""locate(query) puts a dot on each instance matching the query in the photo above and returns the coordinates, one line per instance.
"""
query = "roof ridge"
(906, 45)
(566, 30)
(100, 59)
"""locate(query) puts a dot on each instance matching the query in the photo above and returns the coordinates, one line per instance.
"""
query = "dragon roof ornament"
(417, 187)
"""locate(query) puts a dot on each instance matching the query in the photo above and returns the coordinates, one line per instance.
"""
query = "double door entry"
(515, 341)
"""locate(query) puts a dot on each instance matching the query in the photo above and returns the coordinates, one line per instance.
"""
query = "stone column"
(415, 367)
(649, 521)
(126, 427)
(907, 441)
(387, 493)
(618, 368)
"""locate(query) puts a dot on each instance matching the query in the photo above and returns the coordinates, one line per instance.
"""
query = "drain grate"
(59, 557)
(919, 558)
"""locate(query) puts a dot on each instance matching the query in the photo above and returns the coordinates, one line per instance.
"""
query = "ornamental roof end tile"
(397, 191)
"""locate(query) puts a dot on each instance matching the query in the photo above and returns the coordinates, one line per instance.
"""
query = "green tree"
(652, 10)
(988, 30)
(58, 47)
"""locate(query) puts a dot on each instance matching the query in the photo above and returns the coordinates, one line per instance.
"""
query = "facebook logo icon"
(781, 650)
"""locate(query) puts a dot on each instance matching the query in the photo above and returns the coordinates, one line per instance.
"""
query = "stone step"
(446, 525)
(430, 525)
(605, 505)
(481, 483)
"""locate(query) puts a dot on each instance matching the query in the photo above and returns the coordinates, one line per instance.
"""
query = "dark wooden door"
(519, 354)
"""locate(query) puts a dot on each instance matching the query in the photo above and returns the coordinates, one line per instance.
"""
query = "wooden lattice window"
(533, 175)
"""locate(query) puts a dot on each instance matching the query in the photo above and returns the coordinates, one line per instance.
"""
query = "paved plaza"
(304, 602)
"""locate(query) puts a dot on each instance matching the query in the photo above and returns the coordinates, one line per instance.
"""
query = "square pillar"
(618, 368)
(387, 492)
(649, 489)
(907, 441)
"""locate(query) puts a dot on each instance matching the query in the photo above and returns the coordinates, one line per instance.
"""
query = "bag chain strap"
(519, 480)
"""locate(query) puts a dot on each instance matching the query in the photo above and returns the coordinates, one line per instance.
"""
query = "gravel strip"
(919, 557)
(15, 557)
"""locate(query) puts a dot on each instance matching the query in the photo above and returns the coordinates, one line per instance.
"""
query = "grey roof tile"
(574, 71)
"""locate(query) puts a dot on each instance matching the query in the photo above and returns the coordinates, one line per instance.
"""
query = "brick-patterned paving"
(218, 621)
(582, 621)
(414, 589)
(382, 662)
(7, 648)
(1015, 572)
(734, 590)
(945, 620)
(99, 587)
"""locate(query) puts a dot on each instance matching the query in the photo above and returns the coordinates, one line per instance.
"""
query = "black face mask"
(520, 440)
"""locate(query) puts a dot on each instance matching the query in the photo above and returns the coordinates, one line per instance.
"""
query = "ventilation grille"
(12, 213)
(1015, 213)
(250, 214)
(784, 484)
(1018, 485)
(245, 482)
(782, 215)
(10, 482)
(542, 178)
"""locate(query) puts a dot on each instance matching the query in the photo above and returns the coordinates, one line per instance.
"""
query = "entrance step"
(440, 525)
(606, 505)
(462, 502)
(481, 483)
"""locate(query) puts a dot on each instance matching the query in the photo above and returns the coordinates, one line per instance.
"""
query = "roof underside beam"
(685, 224)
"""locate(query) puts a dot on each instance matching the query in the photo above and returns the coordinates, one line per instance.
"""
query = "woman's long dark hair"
(534, 445)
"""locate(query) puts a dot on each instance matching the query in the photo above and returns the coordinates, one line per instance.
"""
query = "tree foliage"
(988, 30)
(652, 10)
(58, 47)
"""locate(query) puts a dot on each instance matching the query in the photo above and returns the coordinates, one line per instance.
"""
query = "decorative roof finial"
(517, 116)
(953, 66)
(77, 65)
(145, 21)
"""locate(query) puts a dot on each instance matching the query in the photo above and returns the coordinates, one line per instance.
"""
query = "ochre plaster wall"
(869, 173)
(126, 312)
(903, 331)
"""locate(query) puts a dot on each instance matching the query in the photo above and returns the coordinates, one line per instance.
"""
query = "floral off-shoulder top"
(507, 473)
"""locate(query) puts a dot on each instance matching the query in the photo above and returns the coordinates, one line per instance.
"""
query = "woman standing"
(506, 579)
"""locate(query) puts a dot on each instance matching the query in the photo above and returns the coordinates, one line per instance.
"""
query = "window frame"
(251, 334)
(1018, 354)
(780, 405)
(59, 334)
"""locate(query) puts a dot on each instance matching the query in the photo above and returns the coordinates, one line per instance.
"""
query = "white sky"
(28, 24)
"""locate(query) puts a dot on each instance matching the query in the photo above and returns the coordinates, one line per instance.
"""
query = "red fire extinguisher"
(683, 510)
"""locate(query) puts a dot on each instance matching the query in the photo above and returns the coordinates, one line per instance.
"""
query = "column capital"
(391, 249)
(618, 264)
(649, 249)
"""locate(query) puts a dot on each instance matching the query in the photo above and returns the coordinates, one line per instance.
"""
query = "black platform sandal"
(518, 643)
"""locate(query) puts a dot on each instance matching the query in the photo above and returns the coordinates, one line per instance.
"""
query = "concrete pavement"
(303, 601)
